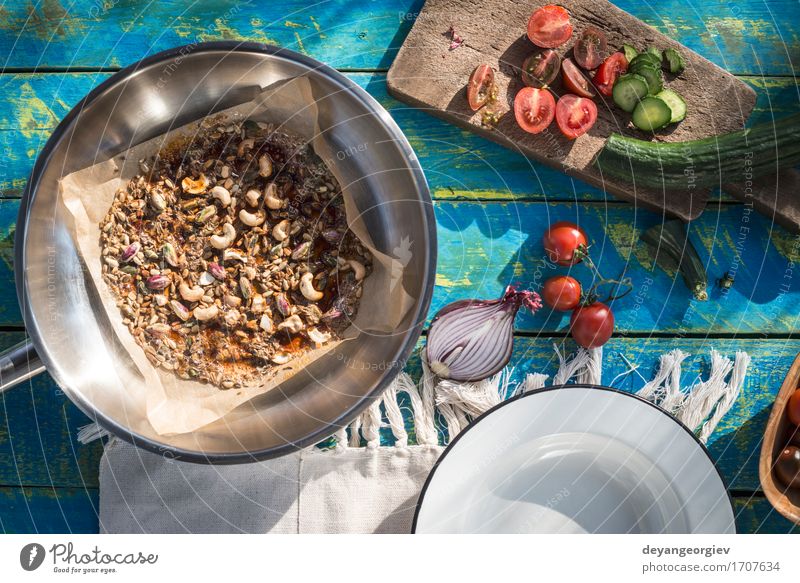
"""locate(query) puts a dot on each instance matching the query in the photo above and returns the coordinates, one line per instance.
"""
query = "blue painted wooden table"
(491, 206)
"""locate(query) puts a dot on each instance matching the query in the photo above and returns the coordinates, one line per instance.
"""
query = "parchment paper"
(175, 405)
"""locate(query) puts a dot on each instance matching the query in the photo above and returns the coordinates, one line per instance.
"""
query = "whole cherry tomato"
(591, 326)
(562, 293)
(561, 241)
(787, 466)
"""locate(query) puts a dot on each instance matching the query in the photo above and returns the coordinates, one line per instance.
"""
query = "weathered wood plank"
(39, 425)
(74, 510)
(87, 33)
(458, 164)
(484, 247)
(48, 510)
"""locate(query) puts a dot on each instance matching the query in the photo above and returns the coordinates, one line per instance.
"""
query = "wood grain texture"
(458, 164)
(354, 35)
(428, 76)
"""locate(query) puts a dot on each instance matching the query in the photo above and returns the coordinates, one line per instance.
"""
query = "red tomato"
(574, 80)
(540, 69)
(592, 326)
(561, 241)
(609, 72)
(575, 115)
(562, 293)
(549, 26)
(793, 408)
(590, 48)
(480, 86)
(534, 109)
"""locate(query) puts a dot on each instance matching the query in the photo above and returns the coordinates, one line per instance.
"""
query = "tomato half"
(562, 293)
(574, 80)
(540, 69)
(591, 326)
(575, 115)
(609, 72)
(793, 408)
(549, 26)
(534, 109)
(480, 86)
(590, 48)
(561, 241)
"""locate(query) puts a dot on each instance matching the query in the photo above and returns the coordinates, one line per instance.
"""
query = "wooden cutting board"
(426, 74)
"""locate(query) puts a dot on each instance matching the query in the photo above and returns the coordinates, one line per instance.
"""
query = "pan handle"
(18, 364)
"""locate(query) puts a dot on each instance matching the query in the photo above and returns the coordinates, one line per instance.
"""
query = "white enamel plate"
(575, 459)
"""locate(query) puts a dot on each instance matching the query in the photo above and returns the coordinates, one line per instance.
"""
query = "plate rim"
(449, 446)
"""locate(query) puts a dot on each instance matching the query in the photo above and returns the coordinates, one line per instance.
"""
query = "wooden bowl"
(776, 437)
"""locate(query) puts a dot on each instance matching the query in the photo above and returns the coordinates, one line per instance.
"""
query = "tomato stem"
(590, 297)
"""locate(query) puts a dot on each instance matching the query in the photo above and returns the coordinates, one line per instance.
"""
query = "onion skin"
(471, 340)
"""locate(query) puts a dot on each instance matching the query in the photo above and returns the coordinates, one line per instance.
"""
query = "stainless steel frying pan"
(69, 336)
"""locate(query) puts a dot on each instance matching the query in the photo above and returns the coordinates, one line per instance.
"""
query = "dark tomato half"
(575, 115)
(541, 69)
(590, 48)
(549, 26)
(609, 72)
(480, 86)
(574, 80)
(534, 109)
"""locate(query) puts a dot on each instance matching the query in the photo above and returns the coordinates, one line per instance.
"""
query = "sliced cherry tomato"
(534, 109)
(549, 26)
(562, 293)
(541, 69)
(591, 326)
(590, 48)
(480, 87)
(793, 408)
(574, 80)
(609, 72)
(561, 241)
(575, 115)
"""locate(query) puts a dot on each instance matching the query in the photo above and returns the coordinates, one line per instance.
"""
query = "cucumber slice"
(675, 103)
(629, 52)
(655, 52)
(655, 81)
(642, 58)
(651, 114)
(628, 91)
(675, 61)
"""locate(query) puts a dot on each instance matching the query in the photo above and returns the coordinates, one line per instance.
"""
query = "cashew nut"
(307, 288)
(318, 337)
(292, 324)
(265, 166)
(190, 294)
(266, 324)
(250, 219)
(247, 144)
(205, 314)
(252, 196)
(192, 186)
(281, 358)
(271, 197)
(358, 269)
(279, 230)
(233, 255)
(226, 239)
(232, 301)
(231, 317)
(222, 195)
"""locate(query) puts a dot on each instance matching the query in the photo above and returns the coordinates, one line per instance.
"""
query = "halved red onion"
(471, 340)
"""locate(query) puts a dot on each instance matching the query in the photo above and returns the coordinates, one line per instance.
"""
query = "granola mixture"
(230, 254)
